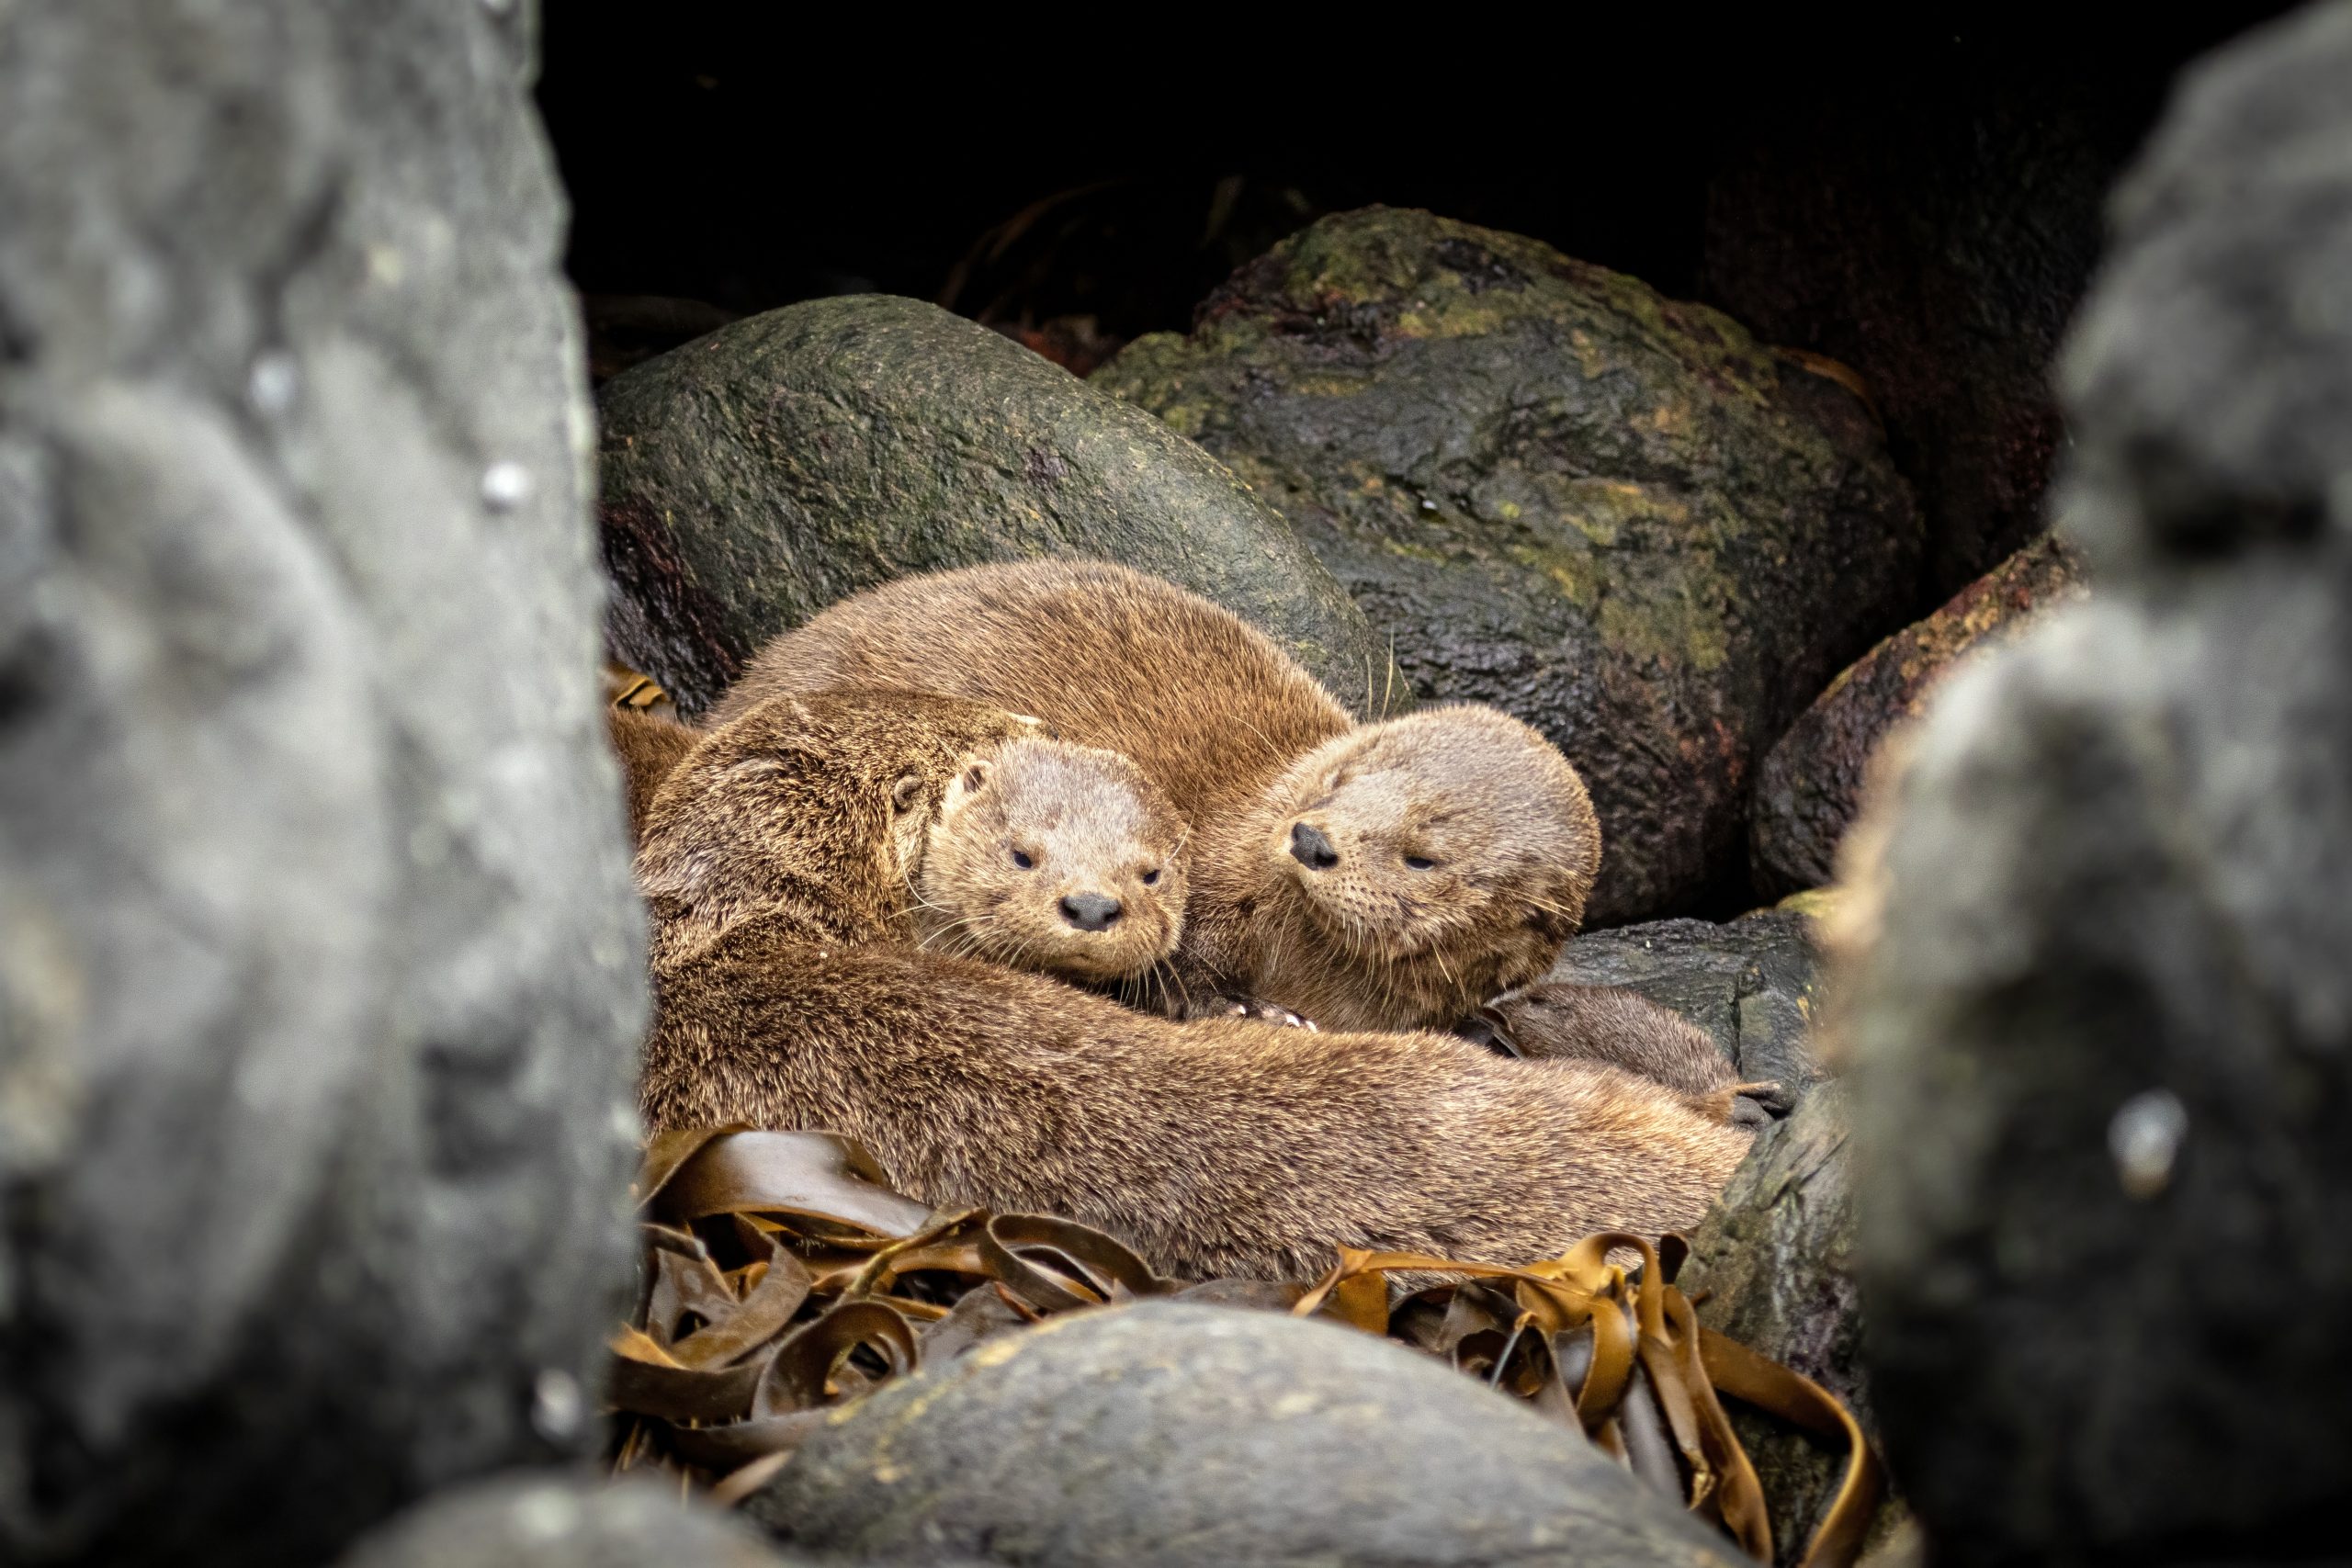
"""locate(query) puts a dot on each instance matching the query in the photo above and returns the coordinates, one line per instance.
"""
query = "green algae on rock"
(1617, 516)
(756, 475)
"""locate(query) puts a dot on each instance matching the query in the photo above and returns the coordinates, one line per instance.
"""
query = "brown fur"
(1247, 746)
(1560, 1023)
(648, 746)
(789, 998)
(1088, 820)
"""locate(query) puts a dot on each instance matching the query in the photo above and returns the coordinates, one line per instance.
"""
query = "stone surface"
(557, 1522)
(2103, 1043)
(1617, 516)
(1811, 783)
(1176, 1434)
(1775, 1262)
(758, 474)
(1752, 983)
(319, 982)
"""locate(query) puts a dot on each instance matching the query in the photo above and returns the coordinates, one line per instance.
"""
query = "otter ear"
(905, 792)
(975, 776)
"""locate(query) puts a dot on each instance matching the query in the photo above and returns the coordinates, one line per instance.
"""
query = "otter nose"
(1091, 911)
(1311, 849)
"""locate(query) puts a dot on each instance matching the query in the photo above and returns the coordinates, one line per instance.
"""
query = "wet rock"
(551, 1522)
(755, 475)
(1811, 783)
(1617, 516)
(319, 985)
(2103, 1043)
(1751, 983)
(1175, 1434)
(1775, 1261)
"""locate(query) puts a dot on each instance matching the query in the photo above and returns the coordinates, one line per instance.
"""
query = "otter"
(1559, 1021)
(1385, 875)
(790, 996)
(1038, 854)
(650, 747)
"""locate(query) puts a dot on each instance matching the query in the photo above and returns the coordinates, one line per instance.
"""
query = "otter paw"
(1758, 1105)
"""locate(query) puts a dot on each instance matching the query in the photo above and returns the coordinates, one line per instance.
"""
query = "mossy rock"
(1170, 1433)
(758, 474)
(1617, 516)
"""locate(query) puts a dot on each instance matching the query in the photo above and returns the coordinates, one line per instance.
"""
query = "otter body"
(1388, 876)
(789, 997)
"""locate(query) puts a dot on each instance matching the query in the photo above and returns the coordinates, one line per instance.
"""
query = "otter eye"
(1021, 858)
(1152, 876)
(1421, 863)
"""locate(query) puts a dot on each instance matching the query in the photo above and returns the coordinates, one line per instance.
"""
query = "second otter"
(1042, 856)
(1388, 876)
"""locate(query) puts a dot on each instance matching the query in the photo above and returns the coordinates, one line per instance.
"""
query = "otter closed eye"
(1421, 863)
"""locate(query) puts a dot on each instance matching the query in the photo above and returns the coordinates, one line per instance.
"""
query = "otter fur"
(790, 996)
(1043, 855)
(1385, 875)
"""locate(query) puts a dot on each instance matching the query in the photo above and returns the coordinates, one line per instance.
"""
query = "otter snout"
(1091, 911)
(1311, 849)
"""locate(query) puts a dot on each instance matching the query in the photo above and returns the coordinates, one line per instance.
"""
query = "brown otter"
(1036, 853)
(1384, 876)
(1560, 1021)
(649, 745)
(789, 998)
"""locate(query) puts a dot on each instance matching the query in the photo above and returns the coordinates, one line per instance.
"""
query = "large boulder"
(319, 965)
(2103, 1041)
(758, 474)
(1172, 1433)
(1811, 784)
(1751, 983)
(1617, 516)
(549, 1521)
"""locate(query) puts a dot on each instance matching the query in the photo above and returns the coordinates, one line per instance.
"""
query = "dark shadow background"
(1920, 200)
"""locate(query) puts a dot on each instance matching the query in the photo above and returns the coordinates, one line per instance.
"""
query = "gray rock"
(551, 1522)
(1751, 983)
(1617, 516)
(1175, 1434)
(1774, 1262)
(319, 981)
(758, 474)
(2104, 1041)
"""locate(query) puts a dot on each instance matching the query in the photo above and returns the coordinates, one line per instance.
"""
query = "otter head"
(1457, 832)
(1046, 856)
(820, 803)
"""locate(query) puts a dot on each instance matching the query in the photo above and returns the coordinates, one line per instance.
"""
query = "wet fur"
(789, 997)
(1244, 743)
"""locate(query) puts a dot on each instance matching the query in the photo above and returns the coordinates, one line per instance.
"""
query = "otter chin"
(1053, 857)
(1458, 835)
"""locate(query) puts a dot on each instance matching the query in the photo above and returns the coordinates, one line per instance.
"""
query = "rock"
(1174, 1433)
(2103, 1041)
(1751, 983)
(319, 974)
(755, 475)
(1619, 517)
(1811, 783)
(1932, 223)
(1774, 1260)
(546, 1522)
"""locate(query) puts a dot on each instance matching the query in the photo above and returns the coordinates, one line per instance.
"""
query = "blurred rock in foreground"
(2103, 1047)
(319, 973)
